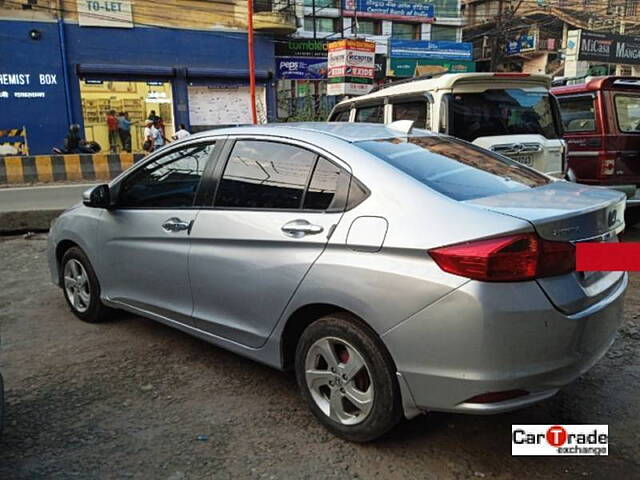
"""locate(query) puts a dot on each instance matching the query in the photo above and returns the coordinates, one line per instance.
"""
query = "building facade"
(185, 61)
(534, 37)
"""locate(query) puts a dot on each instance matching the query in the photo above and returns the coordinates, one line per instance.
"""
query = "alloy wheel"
(76, 285)
(339, 380)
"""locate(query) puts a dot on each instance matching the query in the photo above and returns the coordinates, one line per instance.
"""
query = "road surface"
(50, 197)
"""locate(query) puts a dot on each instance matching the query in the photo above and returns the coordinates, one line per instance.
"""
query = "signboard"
(416, 10)
(406, 67)
(523, 43)
(430, 49)
(105, 13)
(301, 48)
(380, 67)
(608, 48)
(351, 67)
(291, 68)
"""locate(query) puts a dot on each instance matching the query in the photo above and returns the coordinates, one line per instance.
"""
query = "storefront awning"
(117, 70)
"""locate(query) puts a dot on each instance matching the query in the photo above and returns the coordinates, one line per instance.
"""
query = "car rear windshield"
(513, 111)
(454, 168)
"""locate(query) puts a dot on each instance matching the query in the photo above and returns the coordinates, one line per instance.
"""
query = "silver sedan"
(395, 271)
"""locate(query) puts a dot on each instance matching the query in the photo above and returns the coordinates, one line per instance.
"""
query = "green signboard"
(406, 67)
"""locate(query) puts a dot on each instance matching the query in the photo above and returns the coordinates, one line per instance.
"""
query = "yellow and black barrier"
(63, 168)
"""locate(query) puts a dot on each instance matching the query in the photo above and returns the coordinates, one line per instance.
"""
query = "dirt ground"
(135, 399)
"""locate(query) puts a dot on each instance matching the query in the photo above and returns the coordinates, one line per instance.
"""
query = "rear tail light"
(607, 163)
(507, 259)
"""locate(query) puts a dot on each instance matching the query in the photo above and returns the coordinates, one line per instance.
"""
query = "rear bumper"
(480, 339)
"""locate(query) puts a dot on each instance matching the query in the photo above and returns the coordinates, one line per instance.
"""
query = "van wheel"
(81, 288)
(348, 378)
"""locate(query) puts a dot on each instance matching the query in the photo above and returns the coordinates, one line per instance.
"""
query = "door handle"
(300, 228)
(174, 224)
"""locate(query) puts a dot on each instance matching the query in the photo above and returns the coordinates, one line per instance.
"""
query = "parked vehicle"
(395, 271)
(601, 119)
(508, 113)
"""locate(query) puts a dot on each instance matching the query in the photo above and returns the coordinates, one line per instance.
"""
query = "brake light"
(511, 258)
(510, 74)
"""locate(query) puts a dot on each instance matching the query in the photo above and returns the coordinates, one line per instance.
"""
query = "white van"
(509, 113)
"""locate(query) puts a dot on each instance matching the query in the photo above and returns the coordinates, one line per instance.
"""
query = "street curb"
(13, 223)
(60, 168)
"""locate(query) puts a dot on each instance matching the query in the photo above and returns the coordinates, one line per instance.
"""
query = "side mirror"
(97, 197)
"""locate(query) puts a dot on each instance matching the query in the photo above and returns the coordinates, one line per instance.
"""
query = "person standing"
(150, 134)
(124, 130)
(181, 133)
(112, 125)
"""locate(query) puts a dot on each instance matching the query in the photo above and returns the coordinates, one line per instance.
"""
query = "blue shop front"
(54, 74)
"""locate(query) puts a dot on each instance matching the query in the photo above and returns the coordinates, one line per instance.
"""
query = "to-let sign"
(105, 13)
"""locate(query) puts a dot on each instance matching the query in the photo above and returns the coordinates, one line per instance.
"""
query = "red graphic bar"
(607, 257)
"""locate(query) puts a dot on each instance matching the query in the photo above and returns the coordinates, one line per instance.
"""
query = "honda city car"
(395, 270)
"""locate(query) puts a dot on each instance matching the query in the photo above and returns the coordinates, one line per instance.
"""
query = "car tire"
(81, 288)
(356, 403)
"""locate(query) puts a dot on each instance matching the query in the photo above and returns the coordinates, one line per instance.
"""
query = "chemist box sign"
(26, 85)
(351, 67)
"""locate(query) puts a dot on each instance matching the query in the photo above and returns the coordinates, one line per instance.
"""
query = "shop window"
(373, 113)
(322, 4)
(140, 100)
(367, 27)
(323, 24)
(170, 181)
(406, 31)
(265, 175)
(444, 32)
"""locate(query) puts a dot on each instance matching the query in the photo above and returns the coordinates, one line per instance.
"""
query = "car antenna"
(404, 126)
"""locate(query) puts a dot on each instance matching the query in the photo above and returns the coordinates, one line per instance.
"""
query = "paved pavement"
(134, 399)
(50, 197)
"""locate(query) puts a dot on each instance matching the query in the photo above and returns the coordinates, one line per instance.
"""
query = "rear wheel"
(348, 379)
(81, 287)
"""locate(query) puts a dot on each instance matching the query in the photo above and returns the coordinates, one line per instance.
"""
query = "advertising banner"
(406, 67)
(523, 43)
(416, 10)
(608, 48)
(306, 68)
(351, 67)
(301, 48)
(430, 49)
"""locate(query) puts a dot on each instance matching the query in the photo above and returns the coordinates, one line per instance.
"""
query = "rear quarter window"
(372, 113)
(577, 113)
(340, 115)
(454, 168)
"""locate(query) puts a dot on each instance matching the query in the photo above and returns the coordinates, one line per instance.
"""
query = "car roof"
(592, 84)
(349, 132)
(447, 81)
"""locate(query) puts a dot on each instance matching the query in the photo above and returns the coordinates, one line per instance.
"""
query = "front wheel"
(347, 378)
(81, 287)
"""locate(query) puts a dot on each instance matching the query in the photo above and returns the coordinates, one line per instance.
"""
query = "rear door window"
(628, 113)
(415, 110)
(265, 175)
(371, 113)
(454, 168)
(578, 113)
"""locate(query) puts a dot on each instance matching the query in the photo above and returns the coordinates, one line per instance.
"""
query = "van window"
(578, 113)
(372, 113)
(454, 168)
(340, 115)
(628, 112)
(415, 110)
(494, 112)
